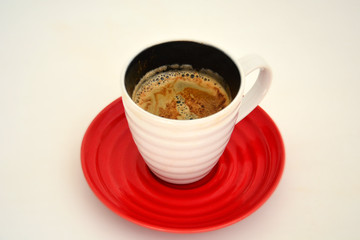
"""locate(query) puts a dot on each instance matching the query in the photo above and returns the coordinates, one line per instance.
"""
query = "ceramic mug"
(184, 151)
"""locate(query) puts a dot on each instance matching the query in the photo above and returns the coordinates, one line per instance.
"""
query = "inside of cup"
(198, 55)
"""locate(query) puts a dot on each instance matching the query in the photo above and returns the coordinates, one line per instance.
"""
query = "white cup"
(184, 151)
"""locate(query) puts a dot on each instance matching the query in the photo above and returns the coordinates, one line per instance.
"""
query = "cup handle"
(258, 91)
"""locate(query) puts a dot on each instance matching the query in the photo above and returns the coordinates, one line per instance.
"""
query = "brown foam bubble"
(180, 93)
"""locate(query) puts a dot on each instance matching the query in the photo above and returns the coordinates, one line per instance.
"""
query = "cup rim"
(234, 104)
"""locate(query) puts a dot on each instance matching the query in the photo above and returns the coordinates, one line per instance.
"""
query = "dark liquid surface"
(180, 94)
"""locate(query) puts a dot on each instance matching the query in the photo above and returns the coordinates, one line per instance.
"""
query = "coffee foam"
(179, 92)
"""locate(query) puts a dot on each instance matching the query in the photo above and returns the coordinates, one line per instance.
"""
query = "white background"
(60, 64)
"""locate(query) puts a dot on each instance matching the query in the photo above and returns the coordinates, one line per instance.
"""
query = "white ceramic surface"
(184, 151)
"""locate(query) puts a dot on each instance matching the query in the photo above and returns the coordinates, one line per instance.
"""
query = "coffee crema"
(179, 92)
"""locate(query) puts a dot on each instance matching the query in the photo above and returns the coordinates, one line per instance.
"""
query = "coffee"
(180, 92)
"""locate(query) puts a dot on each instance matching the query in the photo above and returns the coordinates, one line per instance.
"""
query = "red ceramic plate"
(245, 177)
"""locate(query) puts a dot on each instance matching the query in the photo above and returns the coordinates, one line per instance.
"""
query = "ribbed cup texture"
(180, 151)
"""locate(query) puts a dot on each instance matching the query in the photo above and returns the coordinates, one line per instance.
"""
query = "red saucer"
(245, 177)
